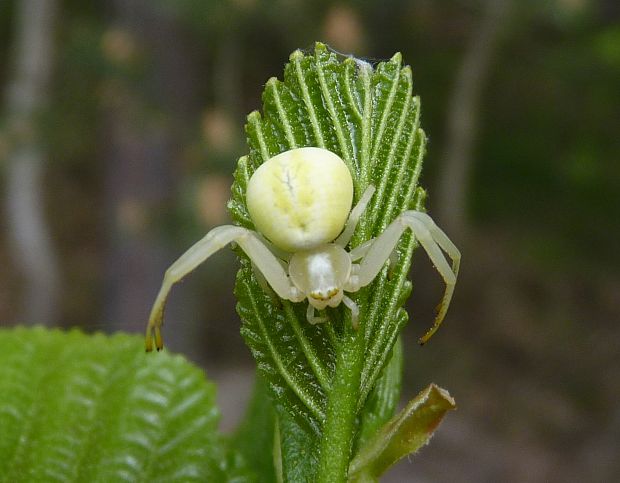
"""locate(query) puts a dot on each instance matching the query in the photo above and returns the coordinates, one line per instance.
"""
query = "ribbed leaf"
(94, 408)
(369, 118)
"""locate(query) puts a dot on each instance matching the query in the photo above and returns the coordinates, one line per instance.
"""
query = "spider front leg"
(215, 240)
(432, 239)
(311, 318)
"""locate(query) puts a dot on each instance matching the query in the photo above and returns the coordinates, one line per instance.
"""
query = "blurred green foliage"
(550, 113)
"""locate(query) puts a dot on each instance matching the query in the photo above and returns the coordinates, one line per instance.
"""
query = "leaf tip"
(296, 55)
(442, 394)
(254, 117)
(407, 73)
(320, 47)
(397, 58)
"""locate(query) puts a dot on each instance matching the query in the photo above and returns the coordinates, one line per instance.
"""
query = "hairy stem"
(339, 428)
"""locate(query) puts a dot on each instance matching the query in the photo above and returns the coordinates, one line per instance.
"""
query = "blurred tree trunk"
(463, 118)
(145, 130)
(26, 97)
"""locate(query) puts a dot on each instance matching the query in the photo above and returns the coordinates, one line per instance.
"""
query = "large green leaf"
(254, 438)
(75, 407)
(297, 451)
(368, 116)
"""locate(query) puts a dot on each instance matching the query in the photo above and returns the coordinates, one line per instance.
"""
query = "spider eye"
(300, 198)
(326, 295)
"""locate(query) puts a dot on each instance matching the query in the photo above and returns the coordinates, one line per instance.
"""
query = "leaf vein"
(349, 65)
(329, 101)
(318, 134)
(320, 371)
(282, 114)
(365, 74)
(387, 207)
(254, 119)
(386, 113)
(295, 385)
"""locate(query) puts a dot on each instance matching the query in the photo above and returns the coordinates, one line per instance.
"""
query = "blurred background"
(120, 126)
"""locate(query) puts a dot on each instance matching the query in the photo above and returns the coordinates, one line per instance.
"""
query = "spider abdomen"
(301, 198)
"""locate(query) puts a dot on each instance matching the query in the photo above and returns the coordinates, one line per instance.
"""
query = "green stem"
(339, 428)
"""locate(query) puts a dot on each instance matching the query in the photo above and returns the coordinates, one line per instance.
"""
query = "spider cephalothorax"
(300, 203)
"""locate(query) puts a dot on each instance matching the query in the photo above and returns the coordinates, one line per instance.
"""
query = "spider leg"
(360, 251)
(213, 241)
(281, 256)
(441, 238)
(430, 236)
(262, 281)
(355, 311)
(354, 217)
(312, 319)
(432, 240)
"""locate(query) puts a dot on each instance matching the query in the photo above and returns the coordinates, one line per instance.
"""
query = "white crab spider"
(299, 202)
